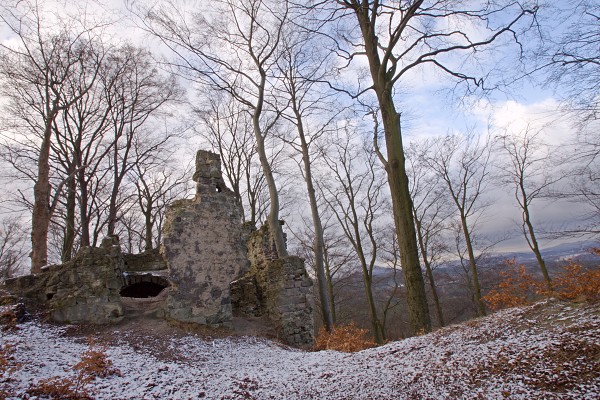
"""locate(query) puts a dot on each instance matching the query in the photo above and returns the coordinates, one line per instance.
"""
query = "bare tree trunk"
(473, 267)
(532, 240)
(403, 217)
(429, 273)
(273, 217)
(148, 245)
(330, 291)
(83, 209)
(40, 218)
(398, 180)
(69, 239)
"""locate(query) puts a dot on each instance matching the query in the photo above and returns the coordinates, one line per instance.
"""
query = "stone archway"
(143, 285)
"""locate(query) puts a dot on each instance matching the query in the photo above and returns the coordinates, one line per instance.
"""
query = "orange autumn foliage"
(517, 287)
(346, 338)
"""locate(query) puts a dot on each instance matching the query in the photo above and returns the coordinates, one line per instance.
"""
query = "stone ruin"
(210, 268)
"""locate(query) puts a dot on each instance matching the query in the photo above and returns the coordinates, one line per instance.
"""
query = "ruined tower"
(204, 248)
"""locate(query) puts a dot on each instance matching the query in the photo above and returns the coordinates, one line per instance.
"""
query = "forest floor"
(550, 350)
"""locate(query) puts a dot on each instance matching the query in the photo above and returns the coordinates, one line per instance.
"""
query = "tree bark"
(318, 241)
(398, 180)
(273, 217)
(69, 239)
(472, 266)
(40, 218)
(84, 219)
(429, 273)
(532, 240)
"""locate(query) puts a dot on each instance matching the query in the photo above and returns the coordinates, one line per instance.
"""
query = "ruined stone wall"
(149, 260)
(204, 248)
(278, 288)
(85, 289)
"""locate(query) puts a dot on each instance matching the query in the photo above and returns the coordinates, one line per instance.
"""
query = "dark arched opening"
(142, 290)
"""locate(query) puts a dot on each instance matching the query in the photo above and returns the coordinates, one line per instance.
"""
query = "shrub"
(517, 287)
(347, 338)
(575, 282)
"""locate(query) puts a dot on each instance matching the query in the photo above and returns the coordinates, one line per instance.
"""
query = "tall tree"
(356, 200)
(302, 67)
(431, 211)
(135, 92)
(528, 172)
(463, 164)
(396, 37)
(45, 73)
(227, 128)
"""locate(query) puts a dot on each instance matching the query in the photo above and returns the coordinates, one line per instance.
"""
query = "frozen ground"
(550, 350)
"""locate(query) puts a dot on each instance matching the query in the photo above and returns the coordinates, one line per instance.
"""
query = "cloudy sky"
(428, 110)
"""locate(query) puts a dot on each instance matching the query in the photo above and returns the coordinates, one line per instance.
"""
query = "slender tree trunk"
(69, 239)
(318, 241)
(429, 272)
(473, 267)
(532, 240)
(84, 219)
(112, 210)
(330, 292)
(40, 218)
(377, 326)
(148, 245)
(398, 181)
(273, 217)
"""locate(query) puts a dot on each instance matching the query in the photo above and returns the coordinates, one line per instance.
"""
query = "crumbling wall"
(278, 288)
(149, 260)
(85, 289)
(204, 248)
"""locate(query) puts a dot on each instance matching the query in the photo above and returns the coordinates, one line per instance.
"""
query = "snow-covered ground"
(550, 350)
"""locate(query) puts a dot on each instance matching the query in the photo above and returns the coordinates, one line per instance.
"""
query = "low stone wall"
(85, 289)
(149, 260)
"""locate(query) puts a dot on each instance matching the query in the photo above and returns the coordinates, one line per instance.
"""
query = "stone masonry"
(85, 289)
(209, 264)
(278, 288)
(204, 248)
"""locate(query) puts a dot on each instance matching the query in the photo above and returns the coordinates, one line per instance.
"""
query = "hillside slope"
(550, 350)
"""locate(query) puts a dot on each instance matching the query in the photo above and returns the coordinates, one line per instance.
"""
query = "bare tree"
(396, 37)
(528, 172)
(79, 147)
(232, 48)
(157, 185)
(571, 59)
(463, 164)
(356, 201)
(431, 211)
(137, 94)
(12, 247)
(39, 75)
(302, 68)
